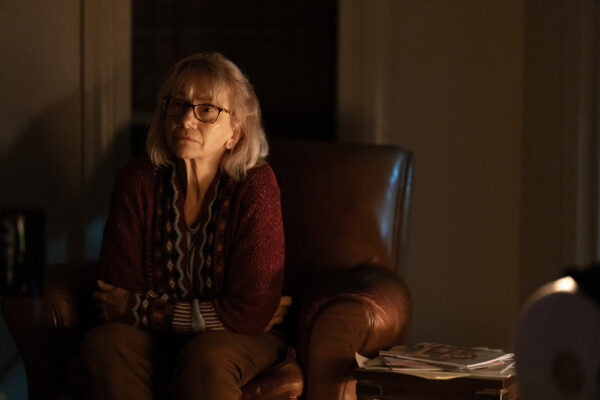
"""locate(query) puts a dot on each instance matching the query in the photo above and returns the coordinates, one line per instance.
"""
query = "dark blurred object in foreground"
(588, 280)
(21, 251)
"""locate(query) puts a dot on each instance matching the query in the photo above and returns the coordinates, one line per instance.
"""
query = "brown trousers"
(119, 361)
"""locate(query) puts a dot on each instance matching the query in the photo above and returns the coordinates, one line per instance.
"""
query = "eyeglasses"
(202, 112)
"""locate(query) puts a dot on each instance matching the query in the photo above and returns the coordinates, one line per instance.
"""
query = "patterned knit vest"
(188, 262)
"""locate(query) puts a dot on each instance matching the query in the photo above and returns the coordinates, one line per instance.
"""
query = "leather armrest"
(362, 310)
(46, 329)
(68, 290)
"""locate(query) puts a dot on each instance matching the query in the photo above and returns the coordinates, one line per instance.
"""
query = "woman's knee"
(100, 342)
(115, 362)
(229, 355)
(209, 365)
(111, 341)
(206, 353)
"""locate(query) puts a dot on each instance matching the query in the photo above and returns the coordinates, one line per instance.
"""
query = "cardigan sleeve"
(254, 266)
(121, 256)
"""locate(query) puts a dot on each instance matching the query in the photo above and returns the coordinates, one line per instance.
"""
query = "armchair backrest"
(343, 205)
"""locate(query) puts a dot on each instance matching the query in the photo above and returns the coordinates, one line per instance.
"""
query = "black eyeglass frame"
(165, 106)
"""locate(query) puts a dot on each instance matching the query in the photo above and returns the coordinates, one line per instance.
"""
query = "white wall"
(65, 110)
(559, 225)
(458, 106)
(41, 141)
(40, 144)
(490, 96)
(65, 106)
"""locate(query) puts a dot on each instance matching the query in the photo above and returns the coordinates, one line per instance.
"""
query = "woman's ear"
(237, 132)
(234, 138)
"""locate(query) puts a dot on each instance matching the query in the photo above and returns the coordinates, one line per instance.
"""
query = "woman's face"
(190, 138)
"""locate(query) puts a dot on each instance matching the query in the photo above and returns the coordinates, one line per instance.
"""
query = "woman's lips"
(187, 139)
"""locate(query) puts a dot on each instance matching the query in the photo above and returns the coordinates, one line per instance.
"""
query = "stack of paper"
(441, 361)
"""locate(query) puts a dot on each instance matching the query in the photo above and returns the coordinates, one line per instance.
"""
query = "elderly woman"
(193, 252)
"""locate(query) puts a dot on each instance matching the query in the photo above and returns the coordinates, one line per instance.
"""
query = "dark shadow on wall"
(98, 189)
(43, 169)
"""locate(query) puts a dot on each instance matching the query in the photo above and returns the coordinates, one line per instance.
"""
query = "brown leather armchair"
(345, 210)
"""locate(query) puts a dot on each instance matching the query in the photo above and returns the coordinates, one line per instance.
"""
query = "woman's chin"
(184, 150)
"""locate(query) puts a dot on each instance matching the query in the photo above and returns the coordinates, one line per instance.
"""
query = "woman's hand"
(284, 303)
(111, 301)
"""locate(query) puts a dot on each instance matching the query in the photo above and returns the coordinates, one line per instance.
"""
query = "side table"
(387, 385)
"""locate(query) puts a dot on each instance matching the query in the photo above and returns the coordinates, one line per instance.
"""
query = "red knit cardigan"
(228, 275)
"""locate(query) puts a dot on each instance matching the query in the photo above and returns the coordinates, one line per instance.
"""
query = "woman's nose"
(188, 120)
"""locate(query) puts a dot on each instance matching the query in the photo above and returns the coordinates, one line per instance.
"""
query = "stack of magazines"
(442, 361)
